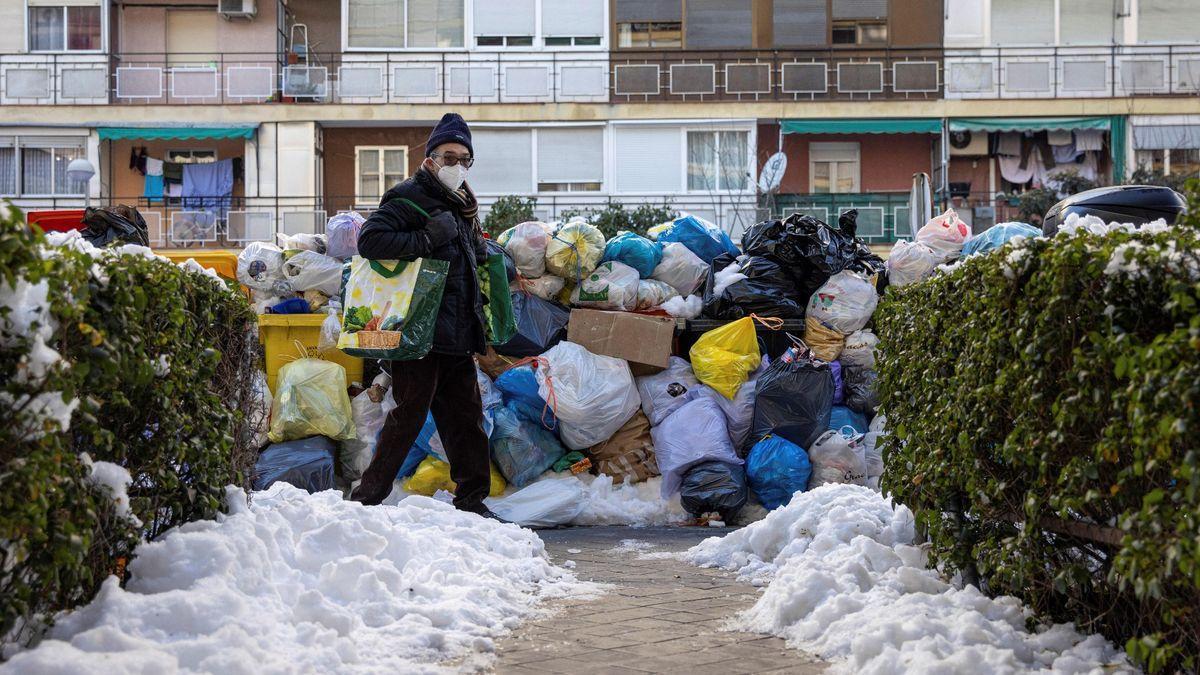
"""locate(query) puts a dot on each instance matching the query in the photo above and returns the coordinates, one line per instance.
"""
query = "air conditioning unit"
(237, 9)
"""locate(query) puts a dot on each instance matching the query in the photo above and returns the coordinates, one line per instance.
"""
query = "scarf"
(461, 200)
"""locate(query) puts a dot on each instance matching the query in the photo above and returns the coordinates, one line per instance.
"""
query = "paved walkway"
(661, 616)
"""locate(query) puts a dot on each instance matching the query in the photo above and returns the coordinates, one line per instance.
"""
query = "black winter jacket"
(397, 232)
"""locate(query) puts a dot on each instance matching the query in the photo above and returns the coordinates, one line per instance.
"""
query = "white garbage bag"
(546, 287)
(549, 502)
(946, 235)
(680, 268)
(260, 416)
(356, 454)
(309, 270)
(662, 393)
(612, 285)
(844, 303)
(331, 331)
(341, 235)
(695, 432)
(301, 242)
(592, 395)
(684, 308)
(872, 453)
(859, 350)
(526, 243)
(910, 262)
(652, 293)
(260, 268)
(837, 458)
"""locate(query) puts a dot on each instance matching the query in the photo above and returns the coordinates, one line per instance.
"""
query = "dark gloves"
(442, 229)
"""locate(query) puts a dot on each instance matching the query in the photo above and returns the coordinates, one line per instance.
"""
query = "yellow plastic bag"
(433, 474)
(574, 251)
(826, 343)
(311, 400)
(724, 357)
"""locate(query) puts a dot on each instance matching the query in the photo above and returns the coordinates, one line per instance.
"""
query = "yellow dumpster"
(279, 334)
(224, 263)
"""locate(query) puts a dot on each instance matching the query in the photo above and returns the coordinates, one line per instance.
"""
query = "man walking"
(433, 214)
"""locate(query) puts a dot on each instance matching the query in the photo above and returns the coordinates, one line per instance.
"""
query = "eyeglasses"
(451, 160)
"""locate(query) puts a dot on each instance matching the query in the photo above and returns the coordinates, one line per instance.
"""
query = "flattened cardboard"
(637, 338)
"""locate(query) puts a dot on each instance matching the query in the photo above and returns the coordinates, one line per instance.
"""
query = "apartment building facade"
(309, 107)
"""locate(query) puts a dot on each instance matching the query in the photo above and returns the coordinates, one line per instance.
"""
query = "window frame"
(19, 171)
(857, 25)
(716, 132)
(102, 6)
(834, 165)
(652, 31)
(359, 197)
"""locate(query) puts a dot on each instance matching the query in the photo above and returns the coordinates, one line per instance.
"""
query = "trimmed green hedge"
(1050, 383)
(156, 360)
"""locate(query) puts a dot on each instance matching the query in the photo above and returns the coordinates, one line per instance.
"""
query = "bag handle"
(378, 266)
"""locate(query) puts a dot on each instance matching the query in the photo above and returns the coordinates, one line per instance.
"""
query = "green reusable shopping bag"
(498, 310)
(391, 307)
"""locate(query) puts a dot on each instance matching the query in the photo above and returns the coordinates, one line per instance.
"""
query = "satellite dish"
(772, 173)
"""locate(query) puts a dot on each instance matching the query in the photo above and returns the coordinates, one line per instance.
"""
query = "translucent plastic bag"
(260, 268)
(842, 418)
(260, 416)
(526, 243)
(519, 388)
(635, 251)
(546, 503)
(331, 331)
(910, 262)
(523, 450)
(612, 285)
(872, 452)
(777, 469)
(433, 474)
(311, 400)
(592, 395)
(694, 433)
(302, 242)
(724, 357)
(663, 393)
(680, 268)
(826, 343)
(653, 293)
(684, 308)
(945, 235)
(845, 303)
(546, 287)
(306, 463)
(309, 270)
(574, 250)
(859, 350)
(341, 235)
(837, 458)
(998, 235)
(703, 239)
(714, 487)
(358, 452)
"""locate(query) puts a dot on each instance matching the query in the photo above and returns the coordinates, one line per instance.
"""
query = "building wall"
(340, 143)
(143, 27)
(12, 14)
(887, 161)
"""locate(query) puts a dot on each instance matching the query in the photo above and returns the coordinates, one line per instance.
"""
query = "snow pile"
(1076, 224)
(25, 317)
(847, 583)
(115, 479)
(300, 583)
(632, 504)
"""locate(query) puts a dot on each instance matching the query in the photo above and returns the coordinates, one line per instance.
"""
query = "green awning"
(864, 126)
(176, 133)
(1028, 123)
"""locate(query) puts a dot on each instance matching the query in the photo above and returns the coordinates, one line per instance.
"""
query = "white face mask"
(452, 176)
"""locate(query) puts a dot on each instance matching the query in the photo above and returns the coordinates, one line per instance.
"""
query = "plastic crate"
(279, 334)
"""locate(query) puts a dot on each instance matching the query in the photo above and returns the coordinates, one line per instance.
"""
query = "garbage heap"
(594, 381)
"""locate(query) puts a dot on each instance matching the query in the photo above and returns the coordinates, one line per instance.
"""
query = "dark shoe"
(488, 513)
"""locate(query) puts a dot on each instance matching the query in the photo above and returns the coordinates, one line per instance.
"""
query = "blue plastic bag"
(777, 469)
(996, 236)
(306, 463)
(522, 450)
(841, 416)
(636, 251)
(705, 243)
(520, 390)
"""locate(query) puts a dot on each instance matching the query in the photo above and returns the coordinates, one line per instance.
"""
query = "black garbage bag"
(510, 267)
(767, 290)
(861, 394)
(541, 324)
(714, 486)
(306, 463)
(114, 225)
(793, 400)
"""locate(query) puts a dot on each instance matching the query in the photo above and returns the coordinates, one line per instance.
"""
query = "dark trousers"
(446, 386)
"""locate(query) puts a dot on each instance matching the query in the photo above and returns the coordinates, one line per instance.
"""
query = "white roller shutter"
(648, 159)
(570, 18)
(571, 155)
(503, 161)
(512, 17)
(1022, 22)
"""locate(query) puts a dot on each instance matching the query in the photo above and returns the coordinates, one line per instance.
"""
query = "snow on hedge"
(309, 583)
(847, 583)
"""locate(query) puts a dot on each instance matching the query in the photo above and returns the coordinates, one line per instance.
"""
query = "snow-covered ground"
(846, 583)
(309, 583)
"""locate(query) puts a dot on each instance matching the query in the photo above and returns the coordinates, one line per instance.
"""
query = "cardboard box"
(637, 338)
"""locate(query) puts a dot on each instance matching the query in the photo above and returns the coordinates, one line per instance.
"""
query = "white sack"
(309, 270)
(593, 395)
(680, 268)
(844, 303)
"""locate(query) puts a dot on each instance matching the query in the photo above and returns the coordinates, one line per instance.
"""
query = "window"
(570, 159)
(1172, 162)
(859, 33)
(378, 169)
(718, 160)
(650, 34)
(404, 24)
(573, 41)
(33, 165)
(192, 156)
(833, 167)
(504, 40)
(505, 24)
(56, 29)
(573, 23)
(1023, 22)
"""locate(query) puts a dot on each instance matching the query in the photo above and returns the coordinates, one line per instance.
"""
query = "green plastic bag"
(311, 400)
(497, 309)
